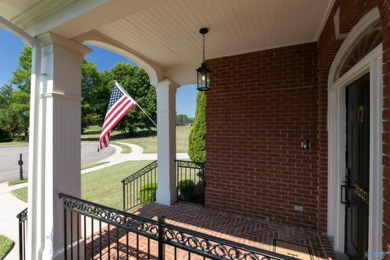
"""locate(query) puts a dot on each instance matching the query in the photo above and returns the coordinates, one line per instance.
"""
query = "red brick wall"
(262, 105)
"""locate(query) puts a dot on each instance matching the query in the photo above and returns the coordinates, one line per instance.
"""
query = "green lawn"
(20, 194)
(103, 186)
(125, 148)
(6, 144)
(6, 245)
(90, 165)
(16, 182)
(147, 139)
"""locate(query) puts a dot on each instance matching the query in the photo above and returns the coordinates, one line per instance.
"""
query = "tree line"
(96, 89)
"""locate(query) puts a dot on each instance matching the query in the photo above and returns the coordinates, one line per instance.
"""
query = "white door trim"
(371, 64)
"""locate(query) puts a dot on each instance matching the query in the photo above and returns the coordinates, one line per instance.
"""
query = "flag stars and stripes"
(118, 106)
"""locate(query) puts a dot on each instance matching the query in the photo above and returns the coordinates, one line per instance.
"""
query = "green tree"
(15, 104)
(22, 74)
(183, 120)
(5, 99)
(89, 86)
(136, 82)
(197, 144)
(19, 112)
(14, 110)
(5, 96)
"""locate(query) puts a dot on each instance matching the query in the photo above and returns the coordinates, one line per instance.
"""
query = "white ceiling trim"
(162, 35)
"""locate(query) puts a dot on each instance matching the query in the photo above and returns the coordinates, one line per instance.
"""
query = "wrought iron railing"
(93, 231)
(190, 181)
(22, 219)
(140, 187)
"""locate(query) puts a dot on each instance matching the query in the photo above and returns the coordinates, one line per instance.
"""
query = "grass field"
(147, 139)
(6, 245)
(7, 144)
(91, 165)
(105, 186)
(20, 194)
(16, 182)
(102, 186)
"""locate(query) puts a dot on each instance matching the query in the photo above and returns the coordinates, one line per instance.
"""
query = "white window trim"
(372, 64)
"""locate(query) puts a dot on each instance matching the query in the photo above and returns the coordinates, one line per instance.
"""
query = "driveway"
(9, 157)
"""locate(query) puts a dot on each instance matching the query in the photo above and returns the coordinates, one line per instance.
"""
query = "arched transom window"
(366, 42)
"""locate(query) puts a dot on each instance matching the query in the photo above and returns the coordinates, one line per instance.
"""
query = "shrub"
(196, 140)
(5, 136)
(186, 186)
(148, 193)
(20, 138)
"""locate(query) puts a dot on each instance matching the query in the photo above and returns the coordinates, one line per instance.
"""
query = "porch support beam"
(55, 149)
(166, 142)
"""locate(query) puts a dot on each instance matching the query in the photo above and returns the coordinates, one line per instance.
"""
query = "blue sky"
(10, 47)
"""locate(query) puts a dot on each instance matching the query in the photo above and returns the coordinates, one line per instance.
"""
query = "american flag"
(120, 103)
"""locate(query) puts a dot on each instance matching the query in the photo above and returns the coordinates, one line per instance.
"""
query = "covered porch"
(276, 114)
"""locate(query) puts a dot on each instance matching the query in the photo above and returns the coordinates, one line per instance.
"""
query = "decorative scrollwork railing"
(212, 247)
(111, 216)
(95, 231)
(134, 186)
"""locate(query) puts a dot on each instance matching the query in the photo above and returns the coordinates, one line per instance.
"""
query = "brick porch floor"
(111, 243)
(254, 232)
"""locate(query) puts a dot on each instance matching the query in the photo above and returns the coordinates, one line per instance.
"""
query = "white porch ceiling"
(165, 32)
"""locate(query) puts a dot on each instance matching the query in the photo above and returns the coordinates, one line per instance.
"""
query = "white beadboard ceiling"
(165, 32)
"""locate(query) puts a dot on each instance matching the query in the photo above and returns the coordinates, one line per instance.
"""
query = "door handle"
(344, 191)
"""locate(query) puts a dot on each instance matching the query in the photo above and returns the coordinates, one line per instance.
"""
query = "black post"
(124, 196)
(21, 240)
(20, 162)
(161, 245)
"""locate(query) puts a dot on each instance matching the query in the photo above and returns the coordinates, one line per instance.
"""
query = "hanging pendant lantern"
(203, 73)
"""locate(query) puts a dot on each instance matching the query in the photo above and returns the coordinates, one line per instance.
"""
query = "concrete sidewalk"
(11, 206)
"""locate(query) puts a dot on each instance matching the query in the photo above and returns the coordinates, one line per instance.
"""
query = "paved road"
(9, 156)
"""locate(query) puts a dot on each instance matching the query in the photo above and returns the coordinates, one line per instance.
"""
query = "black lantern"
(203, 73)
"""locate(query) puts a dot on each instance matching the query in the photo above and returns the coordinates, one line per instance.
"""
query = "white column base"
(53, 255)
(166, 197)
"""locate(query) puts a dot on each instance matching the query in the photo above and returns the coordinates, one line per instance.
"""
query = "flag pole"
(145, 113)
(119, 86)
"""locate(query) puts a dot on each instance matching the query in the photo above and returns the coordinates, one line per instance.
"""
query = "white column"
(55, 127)
(166, 142)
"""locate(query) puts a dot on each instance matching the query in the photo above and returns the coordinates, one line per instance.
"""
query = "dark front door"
(357, 161)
